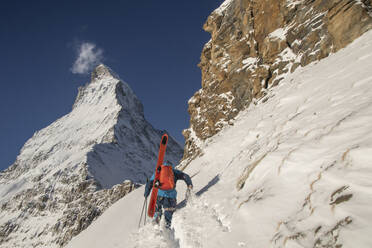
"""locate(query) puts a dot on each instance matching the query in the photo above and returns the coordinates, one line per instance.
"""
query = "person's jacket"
(178, 175)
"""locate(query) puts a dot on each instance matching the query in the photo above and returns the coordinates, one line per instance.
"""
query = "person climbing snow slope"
(167, 199)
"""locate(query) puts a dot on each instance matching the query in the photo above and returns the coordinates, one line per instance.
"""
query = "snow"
(249, 63)
(228, 96)
(288, 55)
(293, 3)
(223, 7)
(293, 171)
(225, 62)
(279, 33)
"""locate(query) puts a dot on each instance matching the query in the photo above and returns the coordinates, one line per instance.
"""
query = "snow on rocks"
(254, 44)
(279, 33)
(223, 7)
(293, 3)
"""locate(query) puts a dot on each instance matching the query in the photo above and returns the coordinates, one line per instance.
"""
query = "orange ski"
(155, 187)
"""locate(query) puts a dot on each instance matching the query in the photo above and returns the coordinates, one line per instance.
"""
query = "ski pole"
(144, 222)
(143, 207)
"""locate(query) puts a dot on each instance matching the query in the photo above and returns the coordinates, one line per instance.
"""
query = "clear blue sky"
(154, 46)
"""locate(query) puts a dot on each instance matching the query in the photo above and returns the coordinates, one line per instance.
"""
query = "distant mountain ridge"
(70, 171)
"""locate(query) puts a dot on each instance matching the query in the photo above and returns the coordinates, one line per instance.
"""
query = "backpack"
(166, 177)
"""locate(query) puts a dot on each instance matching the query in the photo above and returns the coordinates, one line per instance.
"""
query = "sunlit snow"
(293, 171)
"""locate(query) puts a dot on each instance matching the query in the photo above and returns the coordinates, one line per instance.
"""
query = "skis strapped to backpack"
(156, 185)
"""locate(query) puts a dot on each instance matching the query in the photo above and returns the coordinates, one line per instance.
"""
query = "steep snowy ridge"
(293, 170)
(69, 172)
(254, 44)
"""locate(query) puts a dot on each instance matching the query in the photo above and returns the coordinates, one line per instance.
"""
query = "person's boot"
(156, 219)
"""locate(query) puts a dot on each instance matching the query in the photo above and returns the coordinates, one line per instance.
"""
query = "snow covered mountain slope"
(68, 173)
(294, 170)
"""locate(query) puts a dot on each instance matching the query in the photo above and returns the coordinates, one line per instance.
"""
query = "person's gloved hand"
(147, 193)
(188, 192)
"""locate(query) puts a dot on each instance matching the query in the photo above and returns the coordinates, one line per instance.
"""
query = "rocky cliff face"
(254, 43)
(68, 173)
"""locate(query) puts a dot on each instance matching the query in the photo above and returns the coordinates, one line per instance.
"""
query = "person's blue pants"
(169, 206)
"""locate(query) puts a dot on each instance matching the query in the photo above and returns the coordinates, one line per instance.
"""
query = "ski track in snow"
(190, 225)
(293, 171)
(152, 235)
(188, 229)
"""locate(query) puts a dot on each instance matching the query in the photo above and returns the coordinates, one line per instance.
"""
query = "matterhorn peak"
(102, 71)
(106, 90)
(71, 171)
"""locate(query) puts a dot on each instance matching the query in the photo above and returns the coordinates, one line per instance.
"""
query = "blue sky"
(154, 46)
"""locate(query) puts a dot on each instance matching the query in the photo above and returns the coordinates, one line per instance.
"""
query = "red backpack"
(166, 177)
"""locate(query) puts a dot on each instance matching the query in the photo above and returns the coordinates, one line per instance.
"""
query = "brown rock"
(247, 53)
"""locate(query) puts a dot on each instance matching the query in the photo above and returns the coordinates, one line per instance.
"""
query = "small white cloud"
(88, 57)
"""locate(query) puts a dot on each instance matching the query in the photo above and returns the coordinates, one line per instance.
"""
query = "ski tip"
(164, 139)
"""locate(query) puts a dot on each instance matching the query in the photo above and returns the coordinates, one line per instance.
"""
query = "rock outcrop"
(254, 44)
(68, 173)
